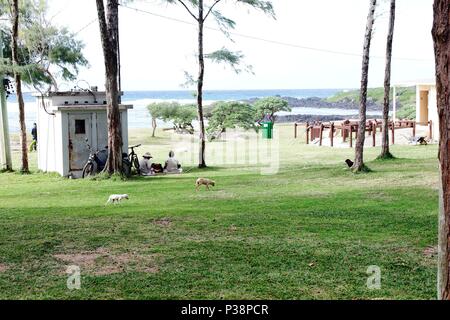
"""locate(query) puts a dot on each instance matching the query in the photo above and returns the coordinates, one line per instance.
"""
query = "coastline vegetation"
(406, 99)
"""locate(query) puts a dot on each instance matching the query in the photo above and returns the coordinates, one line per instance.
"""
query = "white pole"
(5, 148)
(394, 100)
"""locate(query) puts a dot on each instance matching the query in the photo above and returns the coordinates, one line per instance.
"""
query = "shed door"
(79, 131)
(424, 96)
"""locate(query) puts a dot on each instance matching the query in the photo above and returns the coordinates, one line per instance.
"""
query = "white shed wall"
(433, 112)
(53, 130)
(432, 107)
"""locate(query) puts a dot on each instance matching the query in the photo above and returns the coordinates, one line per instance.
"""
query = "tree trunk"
(109, 34)
(153, 126)
(5, 145)
(442, 51)
(18, 81)
(359, 148)
(385, 152)
(201, 75)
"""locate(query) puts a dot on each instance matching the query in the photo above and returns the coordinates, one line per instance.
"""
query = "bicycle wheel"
(136, 164)
(126, 168)
(88, 170)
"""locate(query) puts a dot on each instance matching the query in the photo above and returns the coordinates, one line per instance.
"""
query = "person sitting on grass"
(145, 165)
(172, 165)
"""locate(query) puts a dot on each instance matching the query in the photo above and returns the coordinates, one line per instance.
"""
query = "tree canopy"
(266, 108)
(230, 115)
(180, 115)
(46, 53)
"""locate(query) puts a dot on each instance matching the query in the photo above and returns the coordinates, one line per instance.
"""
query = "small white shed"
(64, 121)
(426, 105)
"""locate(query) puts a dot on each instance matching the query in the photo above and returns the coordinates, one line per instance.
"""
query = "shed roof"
(69, 93)
(418, 82)
(90, 107)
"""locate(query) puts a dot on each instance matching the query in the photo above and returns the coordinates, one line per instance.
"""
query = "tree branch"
(188, 10)
(210, 9)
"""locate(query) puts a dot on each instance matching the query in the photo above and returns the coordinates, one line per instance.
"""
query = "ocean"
(139, 117)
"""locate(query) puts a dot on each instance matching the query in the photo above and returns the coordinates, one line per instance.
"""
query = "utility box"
(267, 130)
(66, 122)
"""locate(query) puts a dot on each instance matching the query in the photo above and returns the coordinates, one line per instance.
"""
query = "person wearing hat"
(145, 165)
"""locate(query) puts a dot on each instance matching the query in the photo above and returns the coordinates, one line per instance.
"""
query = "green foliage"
(406, 99)
(223, 22)
(180, 115)
(234, 59)
(157, 110)
(230, 115)
(264, 6)
(46, 52)
(266, 108)
(407, 112)
(228, 57)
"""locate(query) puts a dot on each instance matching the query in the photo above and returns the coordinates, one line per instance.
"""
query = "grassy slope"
(309, 231)
(406, 99)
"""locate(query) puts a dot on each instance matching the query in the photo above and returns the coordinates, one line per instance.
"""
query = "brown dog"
(205, 182)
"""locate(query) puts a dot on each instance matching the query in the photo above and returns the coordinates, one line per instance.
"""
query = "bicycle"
(133, 158)
(97, 161)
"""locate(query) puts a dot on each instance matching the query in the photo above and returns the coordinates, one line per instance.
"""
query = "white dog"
(116, 198)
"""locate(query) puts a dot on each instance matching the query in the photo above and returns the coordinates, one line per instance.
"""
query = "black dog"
(349, 163)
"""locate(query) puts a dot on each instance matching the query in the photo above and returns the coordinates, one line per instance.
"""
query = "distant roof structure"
(418, 82)
(72, 93)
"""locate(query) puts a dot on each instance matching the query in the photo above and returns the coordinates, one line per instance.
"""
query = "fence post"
(374, 133)
(307, 133)
(431, 129)
(351, 136)
(321, 134)
(393, 133)
(295, 130)
(332, 134)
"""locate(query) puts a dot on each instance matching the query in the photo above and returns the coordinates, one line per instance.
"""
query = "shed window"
(80, 127)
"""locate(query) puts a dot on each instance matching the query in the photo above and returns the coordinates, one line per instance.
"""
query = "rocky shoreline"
(319, 103)
(315, 102)
(312, 118)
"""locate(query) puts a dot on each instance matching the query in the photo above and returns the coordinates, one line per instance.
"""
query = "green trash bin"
(267, 130)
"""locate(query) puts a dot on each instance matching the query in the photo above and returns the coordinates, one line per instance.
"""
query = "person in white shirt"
(145, 165)
(172, 165)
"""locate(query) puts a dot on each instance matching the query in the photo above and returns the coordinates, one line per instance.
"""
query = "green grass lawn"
(308, 232)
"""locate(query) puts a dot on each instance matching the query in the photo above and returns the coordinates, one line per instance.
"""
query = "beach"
(139, 117)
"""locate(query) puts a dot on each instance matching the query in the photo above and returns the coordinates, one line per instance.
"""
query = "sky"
(156, 51)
